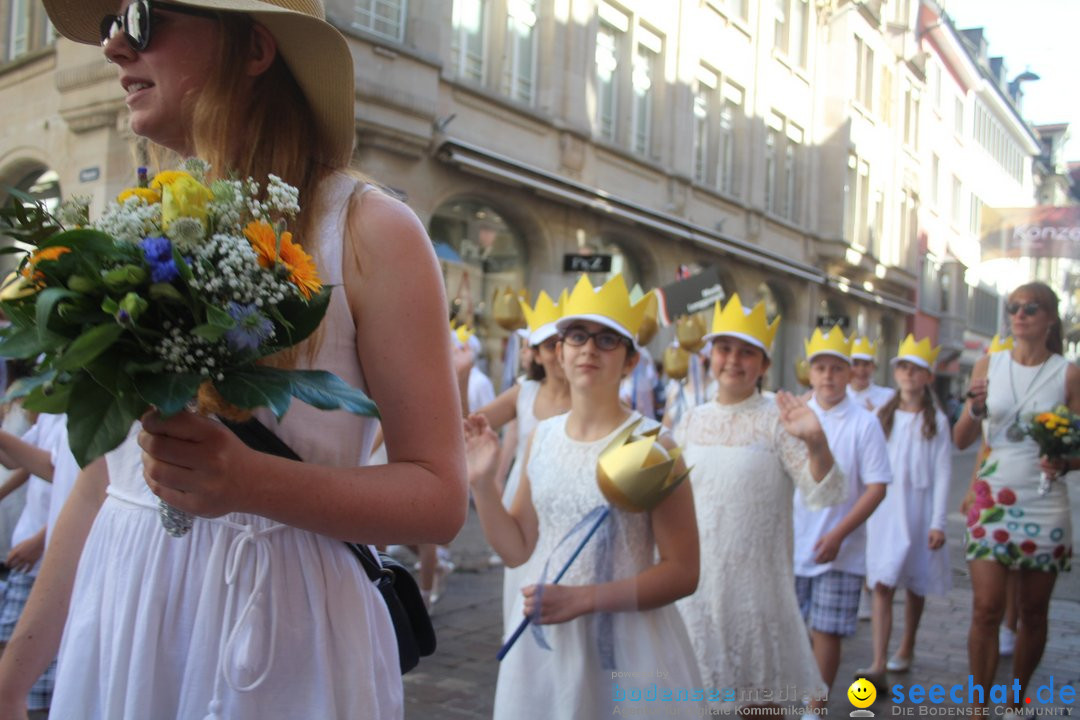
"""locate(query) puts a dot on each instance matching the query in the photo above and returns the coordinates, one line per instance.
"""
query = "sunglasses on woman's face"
(137, 20)
(1028, 308)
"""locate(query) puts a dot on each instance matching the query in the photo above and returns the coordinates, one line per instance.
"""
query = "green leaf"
(218, 318)
(89, 345)
(168, 392)
(46, 304)
(23, 386)
(97, 421)
(86, 241)
(982, 552)
(55, 402)
(991, 515)
(21, 343)
(211, 333)
(299, 318)
(258, 387)
(327, 391)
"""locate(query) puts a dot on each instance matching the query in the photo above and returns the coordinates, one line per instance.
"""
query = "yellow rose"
(1061, 431)
(148, 195)
(167, 177)
(183, 197)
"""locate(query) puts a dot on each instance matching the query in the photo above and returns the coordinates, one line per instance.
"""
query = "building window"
(901, 12)
(520, 77)
(19, 22)
(857, 201)
(772, 140)
(864, 73)
(935, 181)
(729, 116)
(645, 69)
(911, 116)
(783, 157)
(385, 18)
(933, 73)
(791, 20)
(909, 227)
(738, 8)
(957, 195)
(701, 137)
(975, 221)
(885, 100)
(716, 118)
(958, 116)
(610, 39)
(468, 47)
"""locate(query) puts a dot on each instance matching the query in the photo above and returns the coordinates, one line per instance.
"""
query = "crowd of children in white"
(749, 576)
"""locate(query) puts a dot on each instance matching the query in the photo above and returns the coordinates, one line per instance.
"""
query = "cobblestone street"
(459, 680)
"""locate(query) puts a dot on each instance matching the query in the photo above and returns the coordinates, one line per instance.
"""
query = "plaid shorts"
(14, 598)
(15, 594)
(830, 602)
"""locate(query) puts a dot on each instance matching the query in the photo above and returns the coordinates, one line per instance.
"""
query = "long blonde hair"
(267, 127)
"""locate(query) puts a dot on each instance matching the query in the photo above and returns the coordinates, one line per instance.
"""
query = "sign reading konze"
(1041, 231)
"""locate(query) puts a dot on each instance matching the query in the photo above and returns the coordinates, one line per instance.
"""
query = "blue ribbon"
(591, 522)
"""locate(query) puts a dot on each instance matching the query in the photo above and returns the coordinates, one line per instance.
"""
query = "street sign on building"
(586, 263)
(694, 294)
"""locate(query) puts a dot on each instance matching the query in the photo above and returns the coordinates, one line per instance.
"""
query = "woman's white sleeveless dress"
(243, 618)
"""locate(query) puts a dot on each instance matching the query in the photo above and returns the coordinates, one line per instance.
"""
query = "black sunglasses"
(1029, 308)
(137, 20)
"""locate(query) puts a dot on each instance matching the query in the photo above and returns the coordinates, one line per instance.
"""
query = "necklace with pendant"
(1015, 432)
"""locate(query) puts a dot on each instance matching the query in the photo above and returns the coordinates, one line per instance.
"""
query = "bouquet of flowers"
(178, 291)
(1057, 433)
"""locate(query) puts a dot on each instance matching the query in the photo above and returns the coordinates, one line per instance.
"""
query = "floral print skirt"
(1011, 523)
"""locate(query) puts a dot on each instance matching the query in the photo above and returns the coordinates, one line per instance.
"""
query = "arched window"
(479, 251)
(621, 261)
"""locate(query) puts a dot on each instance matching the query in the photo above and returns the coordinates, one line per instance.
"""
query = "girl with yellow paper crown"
(543, 394)
(905, 536)
(615, 638)
(749, 455)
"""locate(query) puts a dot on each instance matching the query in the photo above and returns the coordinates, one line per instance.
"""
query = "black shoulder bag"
(412, 625)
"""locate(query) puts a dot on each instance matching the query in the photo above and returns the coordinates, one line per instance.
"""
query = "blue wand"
(525, 622)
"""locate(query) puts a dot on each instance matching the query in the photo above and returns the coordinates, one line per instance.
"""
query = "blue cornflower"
(252, 327)
(158, 252)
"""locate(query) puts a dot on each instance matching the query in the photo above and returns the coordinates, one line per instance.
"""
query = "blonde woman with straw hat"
(750, 454)
(260, 611)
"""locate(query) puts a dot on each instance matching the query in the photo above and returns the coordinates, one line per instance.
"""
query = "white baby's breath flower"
(186, 233)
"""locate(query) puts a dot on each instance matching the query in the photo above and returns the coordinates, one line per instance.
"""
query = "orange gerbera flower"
(49, 253)
(271, 250)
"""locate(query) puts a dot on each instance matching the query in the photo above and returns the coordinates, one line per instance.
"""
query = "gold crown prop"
(735, 320)
(649, 321)
(676, 362)
(690, 332)
(863, 349)
(608, 305)
(506, 308)
(920, 353)
(635, 472)
(999, 345)
(831, 343)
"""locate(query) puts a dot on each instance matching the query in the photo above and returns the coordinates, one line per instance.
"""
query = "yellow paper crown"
(749, 325)
(831, 343)
(998, 345)
(864, 349)
(608, 305)
(462, 333)
(544, 312)
(920, 353)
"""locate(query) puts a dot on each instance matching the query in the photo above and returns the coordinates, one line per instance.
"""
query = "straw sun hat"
(316, 53)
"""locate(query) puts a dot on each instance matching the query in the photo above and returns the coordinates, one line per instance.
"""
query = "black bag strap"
(259, 437)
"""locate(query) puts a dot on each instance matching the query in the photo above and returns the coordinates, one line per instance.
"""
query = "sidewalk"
(459, 680)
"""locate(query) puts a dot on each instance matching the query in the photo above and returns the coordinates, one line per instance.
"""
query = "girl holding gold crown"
(613, 635)
(749, 455)
(260, 611)
(905, 537)
(543, 394)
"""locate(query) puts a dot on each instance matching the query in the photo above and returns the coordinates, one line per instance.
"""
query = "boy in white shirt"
(830, 544)
(862, 388)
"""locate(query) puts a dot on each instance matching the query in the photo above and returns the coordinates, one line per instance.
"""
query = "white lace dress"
(159, 629)
(577, 677)
(744, 621)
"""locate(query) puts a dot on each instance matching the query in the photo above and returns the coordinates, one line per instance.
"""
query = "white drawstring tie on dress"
(240, 643)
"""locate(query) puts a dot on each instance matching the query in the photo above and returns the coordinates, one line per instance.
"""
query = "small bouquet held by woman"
(1057, 433)
(173, 297)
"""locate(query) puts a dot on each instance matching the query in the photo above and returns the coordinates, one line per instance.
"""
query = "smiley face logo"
(862, 693)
